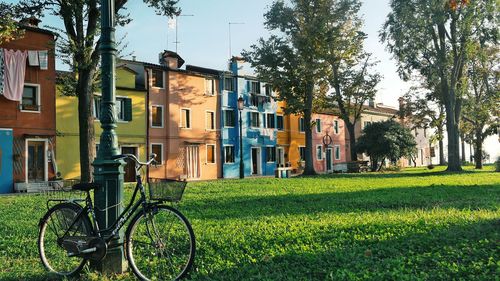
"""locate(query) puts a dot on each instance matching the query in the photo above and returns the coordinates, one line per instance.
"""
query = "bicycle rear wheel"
(54, 224)
(160, 244)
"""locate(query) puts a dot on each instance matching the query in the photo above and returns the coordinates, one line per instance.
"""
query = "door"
(130, 166)
(329, 164)
(255, 161)
(37, 161)
(281, 156)
(6, 161)
(193, 162)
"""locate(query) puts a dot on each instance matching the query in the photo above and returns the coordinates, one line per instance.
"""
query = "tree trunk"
(478, 151)
(86, 124)
(374, 164)
(352, 140)
(441, 152)
(309, 168)
(463, 147)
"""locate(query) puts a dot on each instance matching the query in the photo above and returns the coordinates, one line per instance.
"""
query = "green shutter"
(127, 109)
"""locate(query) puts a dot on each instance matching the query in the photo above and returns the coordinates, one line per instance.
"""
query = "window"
(280, 123)
(270, 121)
(157, 78)
(186, 118)
(301, 125)
(229, 84)
(157, 116)
(271, 154)
(210, 120)
(337, 152)
(302, 153)
(123, 107)
(269, 90)
(366, 123)
(211, 153)
(210, 87)
(229, 154)
(318, 125)
(229, 118)
(31, 99)
(157, 148)
(255, 87)
(254, 120)
(336, 127)
(254, 100)
(97, 107)
(319, 152)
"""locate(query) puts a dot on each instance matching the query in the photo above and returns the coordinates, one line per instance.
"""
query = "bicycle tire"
(174, 248)
(53, 256)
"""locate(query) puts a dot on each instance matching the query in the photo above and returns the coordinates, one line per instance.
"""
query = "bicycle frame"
(122, 218)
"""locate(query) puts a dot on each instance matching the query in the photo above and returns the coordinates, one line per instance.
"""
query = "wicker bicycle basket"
(166, 190)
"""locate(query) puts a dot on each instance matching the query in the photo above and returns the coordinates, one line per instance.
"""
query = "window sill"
(156, 127)
(30, 111)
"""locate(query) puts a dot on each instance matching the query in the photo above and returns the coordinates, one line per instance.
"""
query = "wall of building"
(337, 140)
(39, 125)
(130, 133)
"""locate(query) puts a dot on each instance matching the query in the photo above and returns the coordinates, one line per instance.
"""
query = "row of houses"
(189, 116)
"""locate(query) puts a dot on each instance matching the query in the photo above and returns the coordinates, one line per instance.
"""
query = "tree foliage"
(292, 58)
(78, 47)
(432, 38)
(387, 140)
(9, 29)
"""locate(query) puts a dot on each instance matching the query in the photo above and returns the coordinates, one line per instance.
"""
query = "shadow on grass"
(456, 252)
(384, 175)
(385, 199)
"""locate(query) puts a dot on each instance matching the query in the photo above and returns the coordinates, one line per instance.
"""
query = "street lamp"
(240, 109)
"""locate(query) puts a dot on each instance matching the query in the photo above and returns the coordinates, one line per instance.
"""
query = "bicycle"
(159, 240)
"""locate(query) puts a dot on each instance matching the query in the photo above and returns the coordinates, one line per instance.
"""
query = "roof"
(203, 70)
(39, 30)
(168, 53)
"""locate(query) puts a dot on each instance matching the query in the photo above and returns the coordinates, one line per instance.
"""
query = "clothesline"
(13, 70)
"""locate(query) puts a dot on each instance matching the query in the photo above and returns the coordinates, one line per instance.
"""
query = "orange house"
(28, 126)
(183, 119)
(291, 139)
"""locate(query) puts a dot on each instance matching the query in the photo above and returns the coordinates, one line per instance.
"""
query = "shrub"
(430, 166)
(497, 164)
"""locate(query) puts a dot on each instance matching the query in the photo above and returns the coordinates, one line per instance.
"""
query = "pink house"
(329, 143)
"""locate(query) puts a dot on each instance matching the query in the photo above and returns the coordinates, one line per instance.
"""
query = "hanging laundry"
(2, 72)
(33, 58)
(43, 57)
(15, 68)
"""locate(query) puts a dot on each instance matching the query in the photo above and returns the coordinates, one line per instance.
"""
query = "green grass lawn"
(413, 225)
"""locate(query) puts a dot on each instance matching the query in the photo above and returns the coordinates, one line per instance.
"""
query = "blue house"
(258, 123)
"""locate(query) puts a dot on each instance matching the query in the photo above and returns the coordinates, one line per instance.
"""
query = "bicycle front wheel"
(160, 244)
(58, 220)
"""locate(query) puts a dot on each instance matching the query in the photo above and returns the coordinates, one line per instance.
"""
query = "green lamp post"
(107, 172)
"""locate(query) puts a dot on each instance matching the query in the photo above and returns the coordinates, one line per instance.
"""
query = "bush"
(430, 166)
(392, 168)
(497, 164)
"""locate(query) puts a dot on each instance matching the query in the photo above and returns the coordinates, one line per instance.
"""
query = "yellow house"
(131, 122)
(292, 138)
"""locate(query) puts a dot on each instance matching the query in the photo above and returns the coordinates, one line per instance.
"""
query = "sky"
(203, 36)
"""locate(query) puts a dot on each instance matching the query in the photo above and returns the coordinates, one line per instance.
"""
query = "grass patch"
(412, 225)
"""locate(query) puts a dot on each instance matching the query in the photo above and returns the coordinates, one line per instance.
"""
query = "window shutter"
(127, 109)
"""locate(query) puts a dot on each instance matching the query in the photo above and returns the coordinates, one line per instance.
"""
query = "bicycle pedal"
(88, 251)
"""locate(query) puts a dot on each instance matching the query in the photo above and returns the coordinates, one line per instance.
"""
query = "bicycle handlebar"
(133, 157)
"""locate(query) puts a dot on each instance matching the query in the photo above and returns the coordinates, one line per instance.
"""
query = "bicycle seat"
(86, 186)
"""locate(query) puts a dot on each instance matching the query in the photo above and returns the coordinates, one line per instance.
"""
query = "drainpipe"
(221, 120)
(147, 123)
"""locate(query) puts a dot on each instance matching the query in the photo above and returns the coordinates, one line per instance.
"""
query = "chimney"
(401, 107)
(31, 21)
(133, 58)
(170, 59)
(372, 104)
(236, 66)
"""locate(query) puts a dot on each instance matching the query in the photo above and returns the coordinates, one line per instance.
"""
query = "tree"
(291, 58)
(8, 26)
(349, 66)
(481, 111)
(78, 46)
(387, 140)
(432, 38)
(420, 110)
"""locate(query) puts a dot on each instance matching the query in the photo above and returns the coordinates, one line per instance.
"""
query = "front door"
(281, 156)
(193, 162)
(255, 161)
(6, 159)
(37, 161)
(329, 165)
(130, 166)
